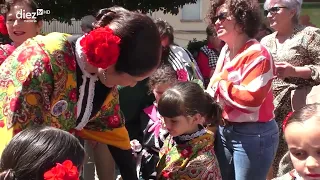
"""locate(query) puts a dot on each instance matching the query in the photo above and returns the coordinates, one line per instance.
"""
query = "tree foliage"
(64, 10)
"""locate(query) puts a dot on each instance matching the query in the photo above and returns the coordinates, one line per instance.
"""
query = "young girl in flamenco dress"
(301, 132)
(149, 139)
(188, 152)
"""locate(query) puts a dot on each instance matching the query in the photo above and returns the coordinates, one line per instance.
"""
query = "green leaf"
(55, 68)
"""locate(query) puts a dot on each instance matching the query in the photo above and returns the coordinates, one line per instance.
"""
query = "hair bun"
(104, 17)
(7, 175)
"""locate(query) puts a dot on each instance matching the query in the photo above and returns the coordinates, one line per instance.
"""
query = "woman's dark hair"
(164, 74)
(36, 150)
(165, 29)
(32, 4)
(304, 113)
(247, 14)
(140, 47)
(188, 99)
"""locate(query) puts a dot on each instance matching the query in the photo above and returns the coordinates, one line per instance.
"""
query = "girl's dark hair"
(140, 48)
(188, 99)
(247, 14)
(36, 150)
(304, 113)
(32, 4)
(164, 74)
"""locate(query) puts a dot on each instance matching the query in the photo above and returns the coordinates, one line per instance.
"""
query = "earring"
(104, 73)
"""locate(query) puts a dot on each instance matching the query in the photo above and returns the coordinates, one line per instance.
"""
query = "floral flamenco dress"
(189, 157)
(43, 82)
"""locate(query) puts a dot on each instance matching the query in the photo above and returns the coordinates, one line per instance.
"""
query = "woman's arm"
(310, 71)
(255, 83)
(314, 54)
(302, 72)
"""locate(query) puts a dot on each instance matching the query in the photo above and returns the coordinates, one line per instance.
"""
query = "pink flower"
(73, 95)
(182, 75)
(113, 121)
(166, 174)
(3, 27)
(2, 124)
(186, 152)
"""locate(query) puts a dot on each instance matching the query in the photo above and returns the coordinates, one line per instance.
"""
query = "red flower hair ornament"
(64, 171)
(285, 121)
(182, 75)
(3, 27)
(101, 47)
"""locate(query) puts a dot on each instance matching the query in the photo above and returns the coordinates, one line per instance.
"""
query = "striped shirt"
(243, 85)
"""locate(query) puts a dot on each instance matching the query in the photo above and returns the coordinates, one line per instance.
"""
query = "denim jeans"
(245, 151)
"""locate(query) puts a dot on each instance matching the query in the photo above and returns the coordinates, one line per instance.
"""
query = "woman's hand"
(284, 70)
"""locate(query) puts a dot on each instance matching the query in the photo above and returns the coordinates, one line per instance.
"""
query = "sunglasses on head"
(272, 10)
(222, 16)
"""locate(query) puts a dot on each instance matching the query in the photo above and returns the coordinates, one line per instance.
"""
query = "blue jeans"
(245, 151)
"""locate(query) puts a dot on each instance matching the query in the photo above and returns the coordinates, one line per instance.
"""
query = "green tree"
(64, 10)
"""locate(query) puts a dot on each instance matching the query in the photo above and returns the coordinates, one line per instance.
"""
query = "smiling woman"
(242, 84)
(21, 23)
(19, 27)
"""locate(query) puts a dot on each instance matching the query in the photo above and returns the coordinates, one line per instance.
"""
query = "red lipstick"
(313, 175)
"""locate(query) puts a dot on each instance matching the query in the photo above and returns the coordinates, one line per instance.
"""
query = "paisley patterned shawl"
(38, 86)
(194, 160)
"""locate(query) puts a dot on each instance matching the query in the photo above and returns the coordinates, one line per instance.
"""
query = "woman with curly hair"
(248, 137)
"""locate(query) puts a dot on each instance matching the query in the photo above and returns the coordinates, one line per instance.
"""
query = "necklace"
(189, 137)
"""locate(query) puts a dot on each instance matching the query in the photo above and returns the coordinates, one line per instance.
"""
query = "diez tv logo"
(31, 16)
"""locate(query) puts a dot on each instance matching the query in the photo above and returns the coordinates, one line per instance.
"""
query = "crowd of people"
(124, 99)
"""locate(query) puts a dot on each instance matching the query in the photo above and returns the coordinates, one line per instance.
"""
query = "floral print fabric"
(193, 160)
(38, 86)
